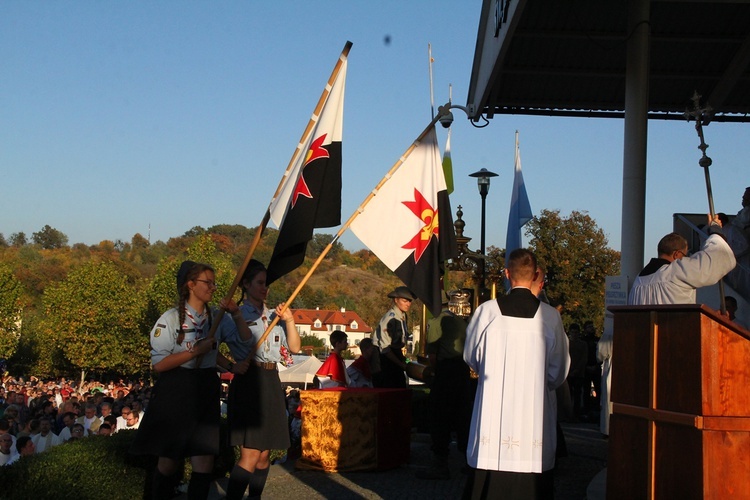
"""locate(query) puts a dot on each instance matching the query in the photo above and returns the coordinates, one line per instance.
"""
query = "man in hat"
(390, 337)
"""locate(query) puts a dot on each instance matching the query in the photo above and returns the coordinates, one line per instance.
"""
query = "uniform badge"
(157, 332)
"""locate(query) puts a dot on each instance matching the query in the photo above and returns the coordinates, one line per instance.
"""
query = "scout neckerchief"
(198, 325)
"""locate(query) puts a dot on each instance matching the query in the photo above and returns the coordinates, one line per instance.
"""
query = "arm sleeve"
(708, 266)
(474, 345)
(163, 338)
(558, 357)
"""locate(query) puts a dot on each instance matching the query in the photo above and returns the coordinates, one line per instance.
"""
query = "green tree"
(49, 238)
(3, 243)
(161, 294)
(18, 239)
(573, 250)
(319, 242)
(10, 311)
(92, 319)
(194, 231)
(312, 340)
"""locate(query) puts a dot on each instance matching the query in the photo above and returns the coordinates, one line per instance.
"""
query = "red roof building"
(321, 323)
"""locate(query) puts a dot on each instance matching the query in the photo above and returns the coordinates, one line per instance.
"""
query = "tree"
(92, 319)
(49, 238)
(3, 243)
(162, 291)
(138, 242)
(573, 250)
(312, 340)
(194, 231)
(319, 242)
(10, 311)
(237, 232)
(18, 239)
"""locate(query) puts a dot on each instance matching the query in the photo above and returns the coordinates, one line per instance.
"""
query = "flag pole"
(442, 110)
(423, 316)
(262, 227)
(432, 94)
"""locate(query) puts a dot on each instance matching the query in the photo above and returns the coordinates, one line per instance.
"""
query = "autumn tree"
(10, 311)
(573, 250)
(92, 319)
(49, 237)
(238, 233)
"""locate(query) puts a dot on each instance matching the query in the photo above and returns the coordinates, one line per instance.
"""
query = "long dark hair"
(186, 274)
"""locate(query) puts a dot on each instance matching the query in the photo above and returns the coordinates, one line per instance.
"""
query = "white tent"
(301, 372)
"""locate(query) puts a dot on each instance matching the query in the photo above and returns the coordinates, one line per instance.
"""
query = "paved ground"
(587, 457)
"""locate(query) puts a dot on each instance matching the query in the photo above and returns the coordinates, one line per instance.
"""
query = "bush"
(92, 468)
(84, 469)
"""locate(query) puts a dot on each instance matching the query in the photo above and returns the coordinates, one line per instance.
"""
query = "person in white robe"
(673, 276)
(46, 439)
(518, 347)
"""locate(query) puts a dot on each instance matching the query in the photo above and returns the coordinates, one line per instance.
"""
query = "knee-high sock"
(200, 484)
(238, 481)
(257, 482)
(162, 487)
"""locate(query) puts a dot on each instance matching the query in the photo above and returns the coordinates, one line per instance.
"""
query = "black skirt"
(257, 411)
(182, 418)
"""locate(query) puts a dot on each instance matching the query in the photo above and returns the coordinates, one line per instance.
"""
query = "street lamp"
(483, 183)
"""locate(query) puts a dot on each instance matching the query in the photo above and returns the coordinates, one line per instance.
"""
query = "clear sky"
(120, 116)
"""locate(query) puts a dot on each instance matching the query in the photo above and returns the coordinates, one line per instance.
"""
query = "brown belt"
(266, 365)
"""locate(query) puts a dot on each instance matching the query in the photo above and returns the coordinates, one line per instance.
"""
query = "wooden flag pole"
(262, 227)
(443, 110)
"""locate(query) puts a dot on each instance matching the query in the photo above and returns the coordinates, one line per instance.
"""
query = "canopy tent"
(631, 59)
(302, 373)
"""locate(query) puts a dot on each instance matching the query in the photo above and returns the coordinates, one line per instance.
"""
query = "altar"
(355, 429)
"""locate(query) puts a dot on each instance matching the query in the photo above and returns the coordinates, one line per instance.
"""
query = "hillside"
(355, 289)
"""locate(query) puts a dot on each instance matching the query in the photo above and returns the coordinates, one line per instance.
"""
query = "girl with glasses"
(183, 416)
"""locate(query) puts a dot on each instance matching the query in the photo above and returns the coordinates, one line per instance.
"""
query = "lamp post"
(483, 183)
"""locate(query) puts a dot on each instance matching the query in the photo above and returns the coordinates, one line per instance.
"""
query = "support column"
(636, 138)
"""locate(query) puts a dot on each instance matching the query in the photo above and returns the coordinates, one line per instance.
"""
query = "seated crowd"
(36, 415)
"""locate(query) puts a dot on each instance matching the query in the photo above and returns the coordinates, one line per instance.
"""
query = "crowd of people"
(36, 415)
(508, 431)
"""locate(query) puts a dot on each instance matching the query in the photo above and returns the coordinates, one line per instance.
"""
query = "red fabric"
(333, 367)
(363, 366)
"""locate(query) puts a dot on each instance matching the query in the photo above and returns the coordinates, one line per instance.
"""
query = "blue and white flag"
(520, 209)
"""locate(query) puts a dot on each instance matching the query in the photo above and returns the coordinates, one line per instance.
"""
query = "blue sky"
(120, 115)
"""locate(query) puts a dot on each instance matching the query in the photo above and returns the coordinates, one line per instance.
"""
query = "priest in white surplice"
(518, 347)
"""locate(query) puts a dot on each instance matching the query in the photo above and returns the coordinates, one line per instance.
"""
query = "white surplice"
(520, 363)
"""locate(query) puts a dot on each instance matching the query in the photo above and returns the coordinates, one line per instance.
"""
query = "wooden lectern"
(680, 426)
